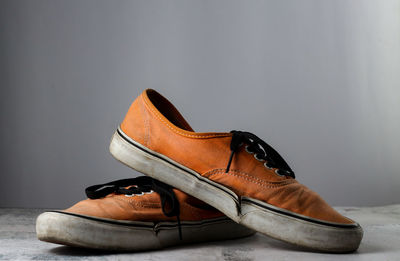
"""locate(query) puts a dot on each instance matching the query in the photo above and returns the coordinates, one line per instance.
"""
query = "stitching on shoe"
(181, 133)
(250, 178)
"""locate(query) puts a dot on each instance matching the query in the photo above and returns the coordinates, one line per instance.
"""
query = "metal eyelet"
(266, 165)
(129, 196)
(256, 157)
(277, 173)
(246, 148)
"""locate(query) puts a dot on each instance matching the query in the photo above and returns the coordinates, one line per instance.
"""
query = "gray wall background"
(319, 80)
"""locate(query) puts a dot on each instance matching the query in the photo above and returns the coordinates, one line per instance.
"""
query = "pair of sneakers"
(198, 187)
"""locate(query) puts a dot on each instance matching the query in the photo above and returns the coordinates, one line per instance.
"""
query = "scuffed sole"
(258, 215)
(91, 232)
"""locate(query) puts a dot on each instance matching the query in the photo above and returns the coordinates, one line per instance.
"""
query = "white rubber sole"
(257, 215)
(90, 232)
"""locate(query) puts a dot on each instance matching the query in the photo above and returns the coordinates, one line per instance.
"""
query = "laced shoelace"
(140, 186)
(262, 152)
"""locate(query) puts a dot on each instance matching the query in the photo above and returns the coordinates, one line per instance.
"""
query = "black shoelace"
(262, 151)
(139, 186)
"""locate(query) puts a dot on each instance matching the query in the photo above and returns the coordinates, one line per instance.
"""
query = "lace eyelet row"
(261, 152)
(265, 163)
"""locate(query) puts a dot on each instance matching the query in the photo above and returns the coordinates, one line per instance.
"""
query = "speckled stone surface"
(381, 242)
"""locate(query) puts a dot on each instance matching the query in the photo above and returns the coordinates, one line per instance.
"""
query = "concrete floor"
(381, 242)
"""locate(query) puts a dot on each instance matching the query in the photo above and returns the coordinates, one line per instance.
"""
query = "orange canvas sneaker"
(134, 215)
(236, 172)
